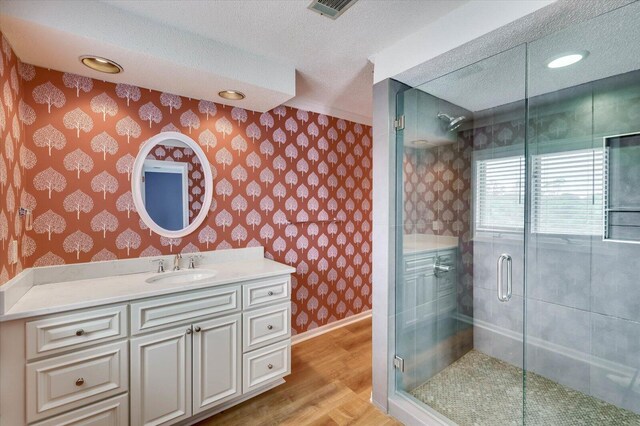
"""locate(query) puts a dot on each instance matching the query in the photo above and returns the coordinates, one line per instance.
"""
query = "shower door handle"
(500, 277)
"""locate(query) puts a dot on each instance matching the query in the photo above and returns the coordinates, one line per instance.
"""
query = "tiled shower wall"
(583, 298)
(13, 112)
(296, 182)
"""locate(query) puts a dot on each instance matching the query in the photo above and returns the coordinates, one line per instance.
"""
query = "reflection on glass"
(172, 185)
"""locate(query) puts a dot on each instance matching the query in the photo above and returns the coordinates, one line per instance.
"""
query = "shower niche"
(622, 188)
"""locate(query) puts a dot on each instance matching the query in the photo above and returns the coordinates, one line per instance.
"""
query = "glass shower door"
(460, 245)
(583, 298)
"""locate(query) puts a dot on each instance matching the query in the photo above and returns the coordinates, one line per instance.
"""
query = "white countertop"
(63, 296)
(417, 243)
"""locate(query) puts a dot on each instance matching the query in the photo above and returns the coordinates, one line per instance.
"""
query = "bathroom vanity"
(79, 345)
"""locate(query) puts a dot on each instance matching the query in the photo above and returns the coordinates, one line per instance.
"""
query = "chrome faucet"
(176, 262)
(192, 261)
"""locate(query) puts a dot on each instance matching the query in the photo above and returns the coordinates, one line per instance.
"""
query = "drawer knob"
(270, 366)
(80, 382)
(188, 330)
(269, 327)
(197, 329)
(270, 293)
(80, 332)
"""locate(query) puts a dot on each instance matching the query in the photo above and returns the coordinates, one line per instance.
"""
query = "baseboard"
(329, 327)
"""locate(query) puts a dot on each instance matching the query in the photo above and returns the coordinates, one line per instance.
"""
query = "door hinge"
(398, 363)
(398, 123)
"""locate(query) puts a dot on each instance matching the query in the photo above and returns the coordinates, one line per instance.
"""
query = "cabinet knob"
(197, 329)
(188, 331)
(269, 327)
(270, 293)
(80, 382)
(270, 366)
(80, 332)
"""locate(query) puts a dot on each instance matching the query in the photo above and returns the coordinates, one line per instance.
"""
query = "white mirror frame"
(136, 184)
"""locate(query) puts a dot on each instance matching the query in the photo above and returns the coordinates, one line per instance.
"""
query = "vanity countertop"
(418, 243)
(48, 298)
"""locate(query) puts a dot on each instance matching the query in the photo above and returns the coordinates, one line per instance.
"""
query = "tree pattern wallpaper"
(437, 188)
(296, 182)
(13, 111)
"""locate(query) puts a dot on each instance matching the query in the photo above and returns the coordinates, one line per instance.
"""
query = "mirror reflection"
(173, 184)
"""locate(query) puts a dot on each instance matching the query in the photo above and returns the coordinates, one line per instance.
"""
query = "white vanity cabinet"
(165, 360)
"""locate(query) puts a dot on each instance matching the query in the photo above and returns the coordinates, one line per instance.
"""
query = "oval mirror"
(172, 184)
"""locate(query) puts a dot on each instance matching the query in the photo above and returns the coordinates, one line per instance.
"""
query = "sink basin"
(186, 276)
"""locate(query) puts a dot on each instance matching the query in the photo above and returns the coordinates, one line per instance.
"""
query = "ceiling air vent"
(331, 8)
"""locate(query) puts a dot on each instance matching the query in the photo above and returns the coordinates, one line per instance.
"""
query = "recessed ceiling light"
(566, 59)
(232, 95)
(97, 63)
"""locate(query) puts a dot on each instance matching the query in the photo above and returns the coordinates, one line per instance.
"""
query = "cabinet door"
(216, 362)
(161, 377)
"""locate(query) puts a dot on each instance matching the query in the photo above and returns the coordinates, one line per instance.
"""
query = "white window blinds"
(500, 194)
(567, 193)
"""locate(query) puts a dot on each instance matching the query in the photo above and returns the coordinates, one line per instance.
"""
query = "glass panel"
(461, 177)
(582, 335)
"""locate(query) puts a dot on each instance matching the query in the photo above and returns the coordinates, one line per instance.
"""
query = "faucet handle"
(160, 264)
(192, 260)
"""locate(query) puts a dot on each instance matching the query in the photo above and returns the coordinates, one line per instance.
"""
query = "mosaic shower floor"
(479, 390)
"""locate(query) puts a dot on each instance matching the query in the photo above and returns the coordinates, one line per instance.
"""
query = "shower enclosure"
(517, 292)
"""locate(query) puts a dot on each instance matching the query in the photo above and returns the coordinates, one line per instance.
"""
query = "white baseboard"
(329, 327)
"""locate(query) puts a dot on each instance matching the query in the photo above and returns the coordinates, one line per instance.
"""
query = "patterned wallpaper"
(437, 188)
(296, 182)
(13, 111)
(195, 174)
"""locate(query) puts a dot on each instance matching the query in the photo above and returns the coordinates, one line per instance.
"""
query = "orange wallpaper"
(13, 112)
(296, 182)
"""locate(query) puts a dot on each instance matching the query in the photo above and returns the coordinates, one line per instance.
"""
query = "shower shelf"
(623, 210)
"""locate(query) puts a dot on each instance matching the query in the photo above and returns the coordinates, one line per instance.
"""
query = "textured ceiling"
(612, 39)
(333, 73)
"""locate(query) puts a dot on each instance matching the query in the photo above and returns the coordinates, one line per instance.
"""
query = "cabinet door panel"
(216, 362)
(161, 377)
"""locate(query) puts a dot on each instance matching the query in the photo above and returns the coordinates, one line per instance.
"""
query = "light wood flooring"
(330, 384)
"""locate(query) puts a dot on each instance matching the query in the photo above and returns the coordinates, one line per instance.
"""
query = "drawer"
(267, 325)
(418, 264)
(265, 365)
(267, 291)
(64, 332)
(447, 282)
(112, 412)
(70, 381)
(173, 310)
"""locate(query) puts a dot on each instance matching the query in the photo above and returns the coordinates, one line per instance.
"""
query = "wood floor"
(330, 384)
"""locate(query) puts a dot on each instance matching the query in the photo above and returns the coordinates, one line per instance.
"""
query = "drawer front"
(64, 332)
(267, 325)
(447, 282)
(418, 264)
(265, 365)
(112, 412)
(173, 310)
(266, 291)
(69, 381)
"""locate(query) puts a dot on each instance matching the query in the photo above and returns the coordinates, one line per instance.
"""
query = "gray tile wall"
(583, 294)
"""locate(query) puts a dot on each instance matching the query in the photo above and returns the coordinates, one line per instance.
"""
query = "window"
(566, 198)
(567, 193)
(500, 194)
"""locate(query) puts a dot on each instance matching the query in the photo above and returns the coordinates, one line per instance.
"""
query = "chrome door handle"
(500, 272)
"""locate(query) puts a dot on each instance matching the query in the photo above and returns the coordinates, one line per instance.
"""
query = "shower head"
(452, 122)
